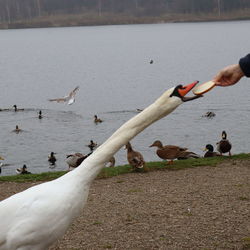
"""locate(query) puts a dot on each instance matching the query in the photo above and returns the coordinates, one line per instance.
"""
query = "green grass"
(125, 169)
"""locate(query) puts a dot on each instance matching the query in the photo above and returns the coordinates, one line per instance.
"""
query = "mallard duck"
(75, 160)
(52, 158)
(97, 120)
(37, 217)
(135, 159)
(224, 145)
(168, 152)
(210, 151)
(70, 98)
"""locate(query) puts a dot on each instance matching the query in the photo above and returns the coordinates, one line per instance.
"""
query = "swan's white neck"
(90, 167)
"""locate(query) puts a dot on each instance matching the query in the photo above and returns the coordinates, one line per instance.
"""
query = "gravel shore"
(196, 208)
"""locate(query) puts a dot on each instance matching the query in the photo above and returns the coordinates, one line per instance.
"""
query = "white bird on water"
(70, 98)
(37, 217)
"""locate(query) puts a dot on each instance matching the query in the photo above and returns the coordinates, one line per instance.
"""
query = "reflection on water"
(111, 66)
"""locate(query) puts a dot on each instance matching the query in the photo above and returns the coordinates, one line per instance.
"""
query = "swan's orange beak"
(185, 89)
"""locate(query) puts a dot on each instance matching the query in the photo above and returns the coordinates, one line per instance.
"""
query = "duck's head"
(128, 145)
(181, 91)
(224, 135)
(209, 148)
(157, 144)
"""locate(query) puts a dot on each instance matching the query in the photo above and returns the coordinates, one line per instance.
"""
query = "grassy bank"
(151, 166)
(89, 19)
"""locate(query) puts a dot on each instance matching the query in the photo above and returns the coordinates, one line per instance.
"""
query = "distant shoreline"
(93, 19)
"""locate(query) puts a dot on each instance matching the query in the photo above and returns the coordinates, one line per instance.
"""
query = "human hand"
(229, 75)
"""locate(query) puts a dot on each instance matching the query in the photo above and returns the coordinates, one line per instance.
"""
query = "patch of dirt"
(198, 208)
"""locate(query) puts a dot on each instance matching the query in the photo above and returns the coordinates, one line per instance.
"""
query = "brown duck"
(135, 159)
(224, 145)
(168, 152)
(111, 162)
(74, 160)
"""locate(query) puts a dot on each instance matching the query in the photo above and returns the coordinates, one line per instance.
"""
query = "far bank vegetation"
(55, 13)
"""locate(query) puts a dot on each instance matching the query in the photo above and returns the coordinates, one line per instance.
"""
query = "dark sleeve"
(245, 65)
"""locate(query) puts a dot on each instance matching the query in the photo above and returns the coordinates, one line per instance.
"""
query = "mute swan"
(70, 98)
(37, 217)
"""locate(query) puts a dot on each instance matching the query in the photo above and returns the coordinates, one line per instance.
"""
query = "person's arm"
(245, 65)
(233, 73)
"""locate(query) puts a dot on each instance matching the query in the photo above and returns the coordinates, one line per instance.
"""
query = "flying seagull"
(70, 98)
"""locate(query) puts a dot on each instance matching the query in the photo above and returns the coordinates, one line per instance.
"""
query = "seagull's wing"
(63, 99)
(73, 92)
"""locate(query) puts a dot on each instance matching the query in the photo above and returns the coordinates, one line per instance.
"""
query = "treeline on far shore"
(91, 19)
(58, 13)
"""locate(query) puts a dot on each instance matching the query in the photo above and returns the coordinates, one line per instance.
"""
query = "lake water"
(111, 66)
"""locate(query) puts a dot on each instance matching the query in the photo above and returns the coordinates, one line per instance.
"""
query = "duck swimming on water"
(17, 130)
(92, 145)
(97, 120)
(17, 109)
(40, 115)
